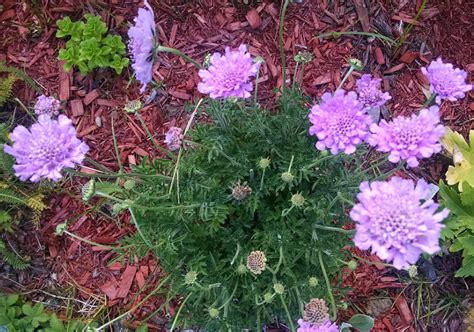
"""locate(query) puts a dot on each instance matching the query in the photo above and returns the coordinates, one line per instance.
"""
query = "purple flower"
(45, 149)
(328, 326)
(398, 220)
(446, 81)
(142, 41)
(173, 138)
(47, 105)
(369, 92)
(228, 75)
(339, 122)
(410, 138)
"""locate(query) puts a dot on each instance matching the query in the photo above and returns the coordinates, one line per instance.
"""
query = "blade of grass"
(336, 34)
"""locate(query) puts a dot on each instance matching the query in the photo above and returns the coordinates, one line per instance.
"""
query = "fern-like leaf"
(11, 197)
(12, 259)
(6, 86)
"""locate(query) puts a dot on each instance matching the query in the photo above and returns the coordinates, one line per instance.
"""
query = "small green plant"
(89, 47)
(6, 86)
(459, 199)
(18, 316)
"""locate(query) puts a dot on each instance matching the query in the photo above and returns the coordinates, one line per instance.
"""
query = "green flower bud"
(412, 271)
(313, 282)
(344, 305)
(133, 106)
(129, 184)
(279, 288)
(304, 57)
(356, 64)
(264, 163)
(241, 269)
(207, 60)
(268, 297)
(324, 153)
(88, 190)
(287, 177)
(352, 265)
(190, 278)
(213, 312)
(297, 200)
(258, 59)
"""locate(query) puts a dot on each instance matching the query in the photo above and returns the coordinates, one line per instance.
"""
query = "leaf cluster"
(89, 47)
(185, 212)
(16, 316)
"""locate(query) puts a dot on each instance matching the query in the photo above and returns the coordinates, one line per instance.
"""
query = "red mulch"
(198, 27)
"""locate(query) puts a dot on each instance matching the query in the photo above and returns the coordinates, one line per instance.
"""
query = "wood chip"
(253, 18)
(126, 282)
(404, 310)
(379, 55)
(323, 79)
(395, 68)
(64, 86)
(77, 108)
(409, 56)
(110, 289)
(91, 96)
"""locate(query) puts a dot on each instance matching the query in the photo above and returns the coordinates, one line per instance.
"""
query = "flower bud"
(352, 264)
(313, 282)
(297, 200)
(268, 297)
(279, 288)
(287, 177)
(129, 184)
(264, 163)
(213, 312)
(241, 269)
(190, 278)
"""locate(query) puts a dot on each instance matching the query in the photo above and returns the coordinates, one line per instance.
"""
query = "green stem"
(180, 54)
(328, 285)
(136, 306)
(290, 320)
(91, 242)
(402, 39)
(114, 176)
(429, 100)
(280, 260)
(261, 180)
(343, 199)
(295, 75)
(317, 162)
(152, 139)
(282, 50)
(134, 220)
(117, 152)
(256, 86)
(302, 74)
(175, 321)
(334, 229)
(351, 69)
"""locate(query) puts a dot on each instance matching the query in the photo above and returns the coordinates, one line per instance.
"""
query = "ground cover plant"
(250, 212)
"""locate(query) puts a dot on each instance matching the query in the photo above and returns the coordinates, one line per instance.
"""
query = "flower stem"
(180, 54)
(90, 242)
(282, 50)
(328, 285)
(429, 100)
(334, 229)
(290, 321)
(152, 139)
(349, 72)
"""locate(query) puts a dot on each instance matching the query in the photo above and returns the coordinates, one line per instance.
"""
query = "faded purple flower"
(446, 81)
(47, 105)
(173, 138)
(398, 220)
(410, 138)
(328, 326)
(228, 75)
(370, 94)
(142, 41)
(45, 149)
(339, 122)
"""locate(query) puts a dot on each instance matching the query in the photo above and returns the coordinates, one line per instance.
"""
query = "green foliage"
(463, 154)
(6, 86)
(88, 47)
(18, 316)
(207, 210)
(459, 230)
(19, 74)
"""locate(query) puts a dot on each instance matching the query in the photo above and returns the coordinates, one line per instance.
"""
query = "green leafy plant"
(89, 47)
(18, 316)
(6, 86)
(247, 181)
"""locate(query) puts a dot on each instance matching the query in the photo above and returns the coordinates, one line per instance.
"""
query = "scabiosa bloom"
(316, 312)
(369, 92)
(142, 41)
(446, 81)
(47, 105)
(327, 326)
(228, 75)
(173, 138)
(256, 262)
(410, 138)
(398, 220)
(339, 122)
(46, 148)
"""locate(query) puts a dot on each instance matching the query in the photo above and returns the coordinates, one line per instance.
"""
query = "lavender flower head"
(228, 75)
(369, 92)
(446, 81)
(45, 149)
(173, 138)
(398, 220)
(142, 41)
(328, 326)
(339, 122)
(47, 105)
(410, 138)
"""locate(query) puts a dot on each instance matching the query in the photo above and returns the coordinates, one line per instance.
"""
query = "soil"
(103, 280)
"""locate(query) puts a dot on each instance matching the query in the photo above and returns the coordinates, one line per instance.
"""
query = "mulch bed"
(27, 41)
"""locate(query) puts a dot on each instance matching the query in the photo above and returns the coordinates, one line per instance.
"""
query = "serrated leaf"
(467, 244)
(452, 139)
(467, 269)
(460, 173)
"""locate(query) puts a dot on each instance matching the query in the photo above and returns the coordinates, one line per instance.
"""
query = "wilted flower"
(327, 326)
(410, 138)
(316, 312)
(339, 122)
(142, 41)
(241, 191)
(256, 262)
(47, 105)
(397, 220)
(173, 138)
(446, 81)
(228, 75)
(369, 92)
(46, 148)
